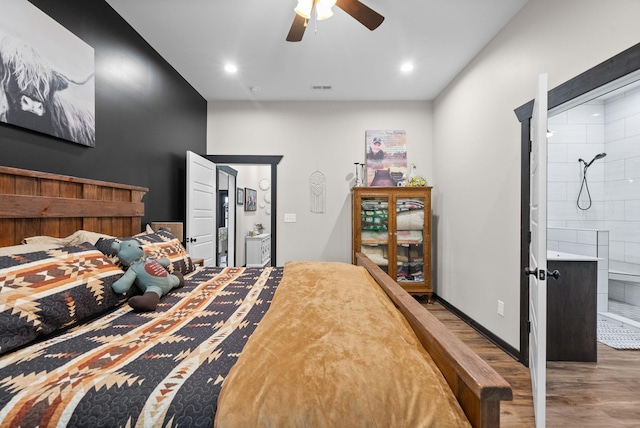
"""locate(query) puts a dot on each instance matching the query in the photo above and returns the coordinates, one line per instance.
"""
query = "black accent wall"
(145, 120)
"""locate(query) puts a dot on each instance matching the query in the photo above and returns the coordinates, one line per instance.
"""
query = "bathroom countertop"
(559, 255)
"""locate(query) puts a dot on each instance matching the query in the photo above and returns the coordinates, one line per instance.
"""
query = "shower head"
(596, 157)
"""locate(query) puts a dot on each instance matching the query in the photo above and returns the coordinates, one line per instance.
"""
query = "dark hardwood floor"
(602, 394)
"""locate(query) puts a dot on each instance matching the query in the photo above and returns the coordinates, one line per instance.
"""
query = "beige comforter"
(333, 351)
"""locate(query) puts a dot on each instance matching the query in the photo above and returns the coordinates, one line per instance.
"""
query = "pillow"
(78, 237)
(45, 291)
(155, 245)
(25, 248)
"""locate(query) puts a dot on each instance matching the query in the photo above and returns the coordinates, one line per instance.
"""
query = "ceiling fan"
(361, 13)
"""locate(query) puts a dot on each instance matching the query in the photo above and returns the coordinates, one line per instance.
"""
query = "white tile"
(632, 210)
(557, 210)
(632, 252)
(556, 223)
(624, 231)
(632, 167)
(603, 281)
(616, 251)
(570, 134)
(616, 290)
(602, 303)
(603, 237)
(582, 249)
(585, 224)
(622, 149)
(604, 263)
(614, 170)
(622, 190)
(564, 172)
(558, 119)
(557, 153)
(557, 191)
(632, 125)
(614, 130)
(586, 113)
(632, 294)
(589, 237)
(621, 108)
(614, 210)
(566, 235)
(595, 133)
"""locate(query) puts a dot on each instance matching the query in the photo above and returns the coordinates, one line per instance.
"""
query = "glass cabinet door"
(410, 239)
(374, 231)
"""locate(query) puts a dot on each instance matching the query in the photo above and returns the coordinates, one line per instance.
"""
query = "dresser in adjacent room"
(259, 250)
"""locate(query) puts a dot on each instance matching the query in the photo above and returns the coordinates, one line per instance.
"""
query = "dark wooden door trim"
(273, 161)
(604, 73)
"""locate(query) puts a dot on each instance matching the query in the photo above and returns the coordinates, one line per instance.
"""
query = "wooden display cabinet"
(392, 226)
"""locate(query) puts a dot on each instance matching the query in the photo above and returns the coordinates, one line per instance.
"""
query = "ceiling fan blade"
(297, 29)
(363, 14)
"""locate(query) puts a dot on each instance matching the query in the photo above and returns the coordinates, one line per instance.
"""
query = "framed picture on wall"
(386, 155)
(250, 199)
(240, 196)
(57, 100)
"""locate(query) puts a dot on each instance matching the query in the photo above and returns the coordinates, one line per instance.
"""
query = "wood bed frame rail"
(34, 203)
(477, 386)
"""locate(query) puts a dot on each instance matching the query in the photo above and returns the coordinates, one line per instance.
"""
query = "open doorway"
(226, 216)
(272, 162)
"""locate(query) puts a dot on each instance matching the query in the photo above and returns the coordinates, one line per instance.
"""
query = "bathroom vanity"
(571, 308)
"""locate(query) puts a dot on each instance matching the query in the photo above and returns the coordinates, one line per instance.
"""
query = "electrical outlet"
(290, 218)
(500, 308)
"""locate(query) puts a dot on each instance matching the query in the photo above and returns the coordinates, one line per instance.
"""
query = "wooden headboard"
(34, 203)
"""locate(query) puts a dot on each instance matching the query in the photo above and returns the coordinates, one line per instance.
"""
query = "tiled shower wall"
(611, 126)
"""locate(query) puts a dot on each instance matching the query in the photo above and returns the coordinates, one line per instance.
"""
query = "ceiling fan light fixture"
(304, 8)
(323, 12)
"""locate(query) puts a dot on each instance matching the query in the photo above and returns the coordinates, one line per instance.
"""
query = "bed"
(220, 349)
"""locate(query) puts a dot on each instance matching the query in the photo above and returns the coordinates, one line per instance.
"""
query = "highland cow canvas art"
(46, 75)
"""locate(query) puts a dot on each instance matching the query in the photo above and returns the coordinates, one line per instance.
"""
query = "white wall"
(477, 152)
(316, 136)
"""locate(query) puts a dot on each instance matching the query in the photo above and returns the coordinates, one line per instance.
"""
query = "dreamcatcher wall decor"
(317, 192)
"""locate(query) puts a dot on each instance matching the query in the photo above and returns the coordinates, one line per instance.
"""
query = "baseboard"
(513, 352)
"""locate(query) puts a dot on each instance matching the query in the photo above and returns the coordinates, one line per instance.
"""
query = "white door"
(538, 253)
(201, 208)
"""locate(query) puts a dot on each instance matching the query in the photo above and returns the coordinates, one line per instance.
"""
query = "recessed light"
(406, 67)
(230, 68)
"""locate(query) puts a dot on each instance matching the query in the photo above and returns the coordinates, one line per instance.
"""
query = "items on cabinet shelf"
(392, 226)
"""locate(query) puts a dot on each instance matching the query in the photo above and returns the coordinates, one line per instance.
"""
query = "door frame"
(233, 173)
(273, 162)
(614, 68)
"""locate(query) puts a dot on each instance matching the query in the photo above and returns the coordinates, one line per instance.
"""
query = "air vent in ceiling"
(321, 87)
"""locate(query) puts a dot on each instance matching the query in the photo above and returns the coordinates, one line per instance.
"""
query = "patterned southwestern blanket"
(124, 369)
